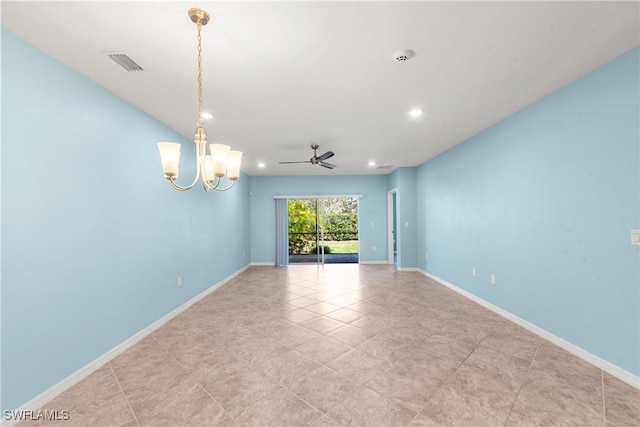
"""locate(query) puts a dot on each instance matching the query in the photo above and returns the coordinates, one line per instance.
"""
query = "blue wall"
(93, 237)
(372, 209)
(545, 200)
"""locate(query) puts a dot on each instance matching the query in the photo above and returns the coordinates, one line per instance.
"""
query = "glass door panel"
(305, 231)
(323, 230)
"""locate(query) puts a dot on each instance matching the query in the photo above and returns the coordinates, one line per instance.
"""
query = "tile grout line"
(289, 390)
(522, 385)
(604, 401)
(346, 399)
(432, 396)
(236, 355)
(194, 379)
(444, 381)
(389, 397)
(332, 408)
(135, 417)
(308, 403)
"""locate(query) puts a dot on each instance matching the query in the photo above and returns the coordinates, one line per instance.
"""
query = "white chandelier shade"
(170, 157)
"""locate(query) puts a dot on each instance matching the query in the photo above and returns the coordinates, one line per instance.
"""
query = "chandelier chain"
(209, 168)
(200, 119)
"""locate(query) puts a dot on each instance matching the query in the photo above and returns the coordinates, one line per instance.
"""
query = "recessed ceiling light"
(416, 112)
(372, 163)
(206, 116)
(261, 165)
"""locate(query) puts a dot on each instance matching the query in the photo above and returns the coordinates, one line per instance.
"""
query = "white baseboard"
(408, 269)
(608, 367)
(262, 264)
(373, 262)
(43, 398)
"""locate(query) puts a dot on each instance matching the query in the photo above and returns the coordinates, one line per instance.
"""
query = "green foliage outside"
(340, 224)
(343, 247)
(327, 250)
(302, 226)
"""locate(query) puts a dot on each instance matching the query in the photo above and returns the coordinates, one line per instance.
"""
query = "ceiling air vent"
(125, 62)
(385, 167)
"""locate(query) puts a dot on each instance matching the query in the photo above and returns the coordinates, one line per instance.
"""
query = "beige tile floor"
(345, 345)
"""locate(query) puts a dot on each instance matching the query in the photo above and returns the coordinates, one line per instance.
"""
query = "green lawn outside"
(343, 247)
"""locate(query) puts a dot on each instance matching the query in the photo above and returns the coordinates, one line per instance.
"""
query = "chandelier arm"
(218, 182)
(225, 189)
(209, 186)
(178, 187)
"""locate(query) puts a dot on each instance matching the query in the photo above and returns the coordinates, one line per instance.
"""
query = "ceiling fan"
(317, 160)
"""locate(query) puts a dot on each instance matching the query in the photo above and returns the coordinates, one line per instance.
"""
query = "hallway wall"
(93, 237)
(545, 200)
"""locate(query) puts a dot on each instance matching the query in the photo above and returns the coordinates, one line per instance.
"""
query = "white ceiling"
(281, 75)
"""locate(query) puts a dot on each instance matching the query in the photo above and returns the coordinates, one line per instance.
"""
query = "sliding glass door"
(323, 230)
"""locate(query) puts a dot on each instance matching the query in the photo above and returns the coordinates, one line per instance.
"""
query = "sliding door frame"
(320, 229)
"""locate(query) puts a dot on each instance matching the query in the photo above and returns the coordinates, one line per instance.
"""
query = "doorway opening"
(323, 230)
(392, 243)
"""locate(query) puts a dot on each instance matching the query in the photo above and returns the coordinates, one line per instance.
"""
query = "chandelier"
(221, 160)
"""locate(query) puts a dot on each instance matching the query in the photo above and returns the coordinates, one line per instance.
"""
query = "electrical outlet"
(373, 248)
(473, 272)
(179, 281)
(426, 255)
(493, 279)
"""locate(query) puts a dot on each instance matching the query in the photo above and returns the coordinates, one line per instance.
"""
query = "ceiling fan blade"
(325, 156)
(327, 165)
(287, 163)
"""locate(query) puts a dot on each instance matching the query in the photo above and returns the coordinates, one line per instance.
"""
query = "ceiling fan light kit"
(316, 160)
(221, 160)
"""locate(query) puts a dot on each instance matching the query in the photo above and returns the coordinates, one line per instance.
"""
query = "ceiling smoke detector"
(403, 55)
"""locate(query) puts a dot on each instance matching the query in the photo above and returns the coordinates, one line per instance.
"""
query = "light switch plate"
(635, 237)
